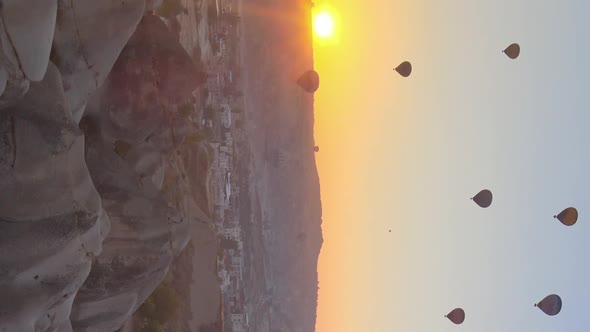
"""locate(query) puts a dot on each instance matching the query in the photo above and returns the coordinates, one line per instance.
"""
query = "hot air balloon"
(551, 304)
(316, 148)
(309, 81)
(568, 216)
(512, 51)
(404, 69)
(483, 198)
(456, 316)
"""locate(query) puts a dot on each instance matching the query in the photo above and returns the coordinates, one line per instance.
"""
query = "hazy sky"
(407, 154)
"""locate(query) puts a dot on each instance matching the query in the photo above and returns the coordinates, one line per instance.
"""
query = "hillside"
(276, 49)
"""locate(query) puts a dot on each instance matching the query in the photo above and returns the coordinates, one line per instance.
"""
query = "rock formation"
(88, 98)
(52, 222)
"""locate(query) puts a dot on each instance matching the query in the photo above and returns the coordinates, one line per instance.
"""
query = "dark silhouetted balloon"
(568, 216)
(512, 51)
(551, 304)
(309, 81)
(316, 148)
(456, 316)
(404, 69)
(483, 198)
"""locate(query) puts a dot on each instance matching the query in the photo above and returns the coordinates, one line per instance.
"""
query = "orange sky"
(407, 154)
(345, 113)
(335, 138)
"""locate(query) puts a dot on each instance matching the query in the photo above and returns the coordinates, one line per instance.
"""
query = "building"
(224, 161)
(220, 215)
(238, 322)
(229, 140)
(214, 82)
(222, 48)
(225, 280)
(215, 158)
(228, 190)
(232, 233)
(226, 115)
(236, 267)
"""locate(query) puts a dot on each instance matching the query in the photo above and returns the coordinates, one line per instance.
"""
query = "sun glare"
(323, 25)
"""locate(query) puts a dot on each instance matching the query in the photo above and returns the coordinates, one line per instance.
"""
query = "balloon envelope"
(309, 81)
(551, 305)
(568, 216)
(512, 51)
(404, 69)
(456, 316)
(483, 198)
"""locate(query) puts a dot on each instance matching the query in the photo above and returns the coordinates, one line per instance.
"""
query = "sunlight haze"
(407, 154)
(323, 25)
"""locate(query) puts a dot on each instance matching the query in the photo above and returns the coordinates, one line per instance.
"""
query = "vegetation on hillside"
(159, 308)
(170, 8)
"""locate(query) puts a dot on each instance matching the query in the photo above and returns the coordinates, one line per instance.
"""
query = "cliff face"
(85, 234)
(26, 32)
(52, 217)
(136, 107)
(88, 39)
(137, 250)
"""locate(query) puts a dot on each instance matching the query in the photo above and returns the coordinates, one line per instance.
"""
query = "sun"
(323, 25)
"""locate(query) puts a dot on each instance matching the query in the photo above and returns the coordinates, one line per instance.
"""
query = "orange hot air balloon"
(550, 305)
(483, 198)
(456, 316)
(309, 81)
(512, 51)
(404, 69)
(568, 216)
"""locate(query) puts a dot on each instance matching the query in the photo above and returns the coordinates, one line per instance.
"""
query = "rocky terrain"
(88, 123)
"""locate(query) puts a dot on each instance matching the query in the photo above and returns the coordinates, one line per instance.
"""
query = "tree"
(170, 8)
(209, 112)
(185, 110)
(228, 89)
(237, 72)
(301, 236)
(229, 17)
(212, 13)
(122, 148)
(196, 56)
(161, 305)
(152, 326)
(209, 134)
(215, 47)
(148, 308)
(175, 27)
(213, 327)
(195, 137)
(229, 244)
(205, 92)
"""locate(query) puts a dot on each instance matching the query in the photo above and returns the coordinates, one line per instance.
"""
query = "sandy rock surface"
(86, 234)
(52, 222)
